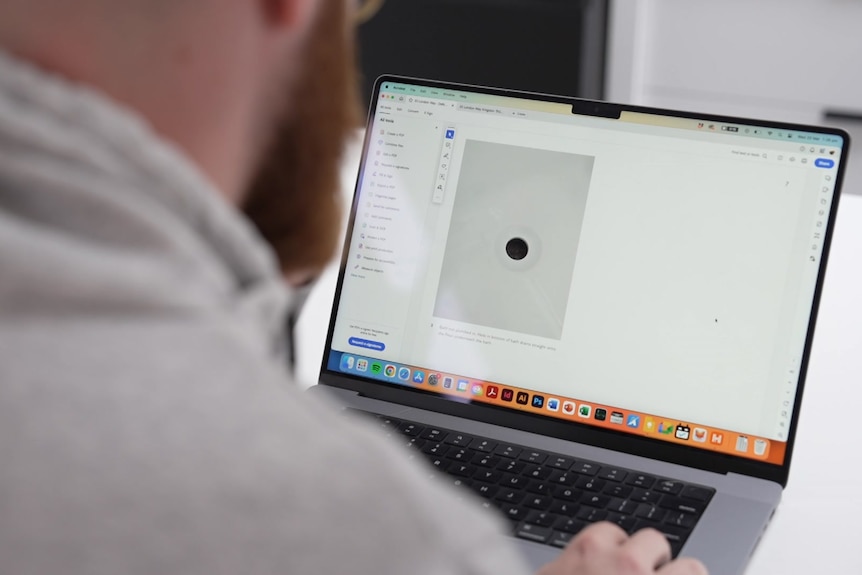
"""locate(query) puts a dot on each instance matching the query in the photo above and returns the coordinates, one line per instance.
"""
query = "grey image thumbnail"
(513, 238)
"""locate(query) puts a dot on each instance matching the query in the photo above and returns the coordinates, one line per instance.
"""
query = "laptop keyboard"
(549, 497)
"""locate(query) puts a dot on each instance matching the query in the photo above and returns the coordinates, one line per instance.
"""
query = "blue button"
(824, 163)
(367, 343)
(450, 134)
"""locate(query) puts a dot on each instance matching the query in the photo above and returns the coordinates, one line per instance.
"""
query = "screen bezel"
(574, 431)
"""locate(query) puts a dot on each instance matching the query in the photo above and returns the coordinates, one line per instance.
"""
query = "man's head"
(258, 93)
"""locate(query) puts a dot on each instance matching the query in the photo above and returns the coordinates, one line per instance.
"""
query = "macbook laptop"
(583, 311)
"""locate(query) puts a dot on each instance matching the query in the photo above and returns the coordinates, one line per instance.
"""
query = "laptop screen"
(651, 274)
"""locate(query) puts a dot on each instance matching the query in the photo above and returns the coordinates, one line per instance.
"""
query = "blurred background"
(789, 60)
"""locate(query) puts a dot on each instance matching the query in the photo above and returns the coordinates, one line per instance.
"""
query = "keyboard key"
(483, 445)
(640, 480)
(514, 512)
(623, 506)
(695, 492)
(485, 490)
(682, 505)
(433, 434)
(488, 475)
(560, 539)
(532, 456)
(650, 512)
(617, 490)
(511, 466)
(511, 496)
(462, 470)
(510, 451)
(537, 472)
(668, 486)
(441, 464)
(585, 468)
(563, 477)
(461, 454)
(645, 496)
(567, 493)
(627, 522)
(612, 474)
(559, 462)
(439, 449)
(569, 525)
(590, 484)
(595, 500)
(567, 508)
(540, 502)
(485, 460)
(539, 487)
(533, 532)
(514, 481)
(409, 428)
(416, 442)
(681, 519)
(541, 518)
(390, 422)
(458, 439)
(591, 514)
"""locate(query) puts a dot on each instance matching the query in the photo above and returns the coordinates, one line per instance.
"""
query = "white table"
(814, 530)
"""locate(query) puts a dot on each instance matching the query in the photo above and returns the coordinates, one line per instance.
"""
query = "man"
(146, 424)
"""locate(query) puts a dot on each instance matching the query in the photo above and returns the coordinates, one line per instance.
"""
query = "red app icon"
(492, 391)
(507, 395)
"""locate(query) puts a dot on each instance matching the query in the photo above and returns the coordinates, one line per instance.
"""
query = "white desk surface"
(815, 530)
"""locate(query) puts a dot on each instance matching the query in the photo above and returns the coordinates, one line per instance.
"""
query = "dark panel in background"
(553, 46)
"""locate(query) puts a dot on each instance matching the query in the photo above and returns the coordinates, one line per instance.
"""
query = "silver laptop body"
(652, 276)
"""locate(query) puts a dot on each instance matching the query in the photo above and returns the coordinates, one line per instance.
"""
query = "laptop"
(585, 311)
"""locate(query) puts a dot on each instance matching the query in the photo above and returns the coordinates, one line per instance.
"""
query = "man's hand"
(605, 549)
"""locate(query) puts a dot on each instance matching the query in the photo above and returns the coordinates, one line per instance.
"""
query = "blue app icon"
(538, 401)
(633, 421)
(404, 374)
(450, 134)
(347, 362)
(418, 376)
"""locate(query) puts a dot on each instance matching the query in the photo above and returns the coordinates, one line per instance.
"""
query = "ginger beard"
(294, 199)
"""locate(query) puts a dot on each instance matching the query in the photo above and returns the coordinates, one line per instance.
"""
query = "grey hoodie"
(146, 422)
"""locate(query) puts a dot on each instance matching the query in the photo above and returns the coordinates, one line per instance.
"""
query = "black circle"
(517, 248)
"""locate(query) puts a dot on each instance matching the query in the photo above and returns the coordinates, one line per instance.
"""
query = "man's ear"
(293, 14)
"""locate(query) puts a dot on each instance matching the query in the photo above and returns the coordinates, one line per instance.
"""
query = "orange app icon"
(716, 438)
(649, 425)
(699, 435)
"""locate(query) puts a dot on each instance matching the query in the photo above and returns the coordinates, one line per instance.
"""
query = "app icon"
(477, 389)
(361, 365)
(403, 374)
(584, 410)
(699, 435)
(760, 447)
(742, 443)
(376, 367)
(507, 395)
(433, 378)
(569, 407)
(492, 391)
(553, 404)
(347, 362)
(617, 417)
(523, 398)
(418, 376)
(665, 429)
(682, 431)
(389, 370)
(447, 382)
(601, 414)
(462, 385)
(538, 401)
(649, 424)
(716, 438)
(633, 421)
